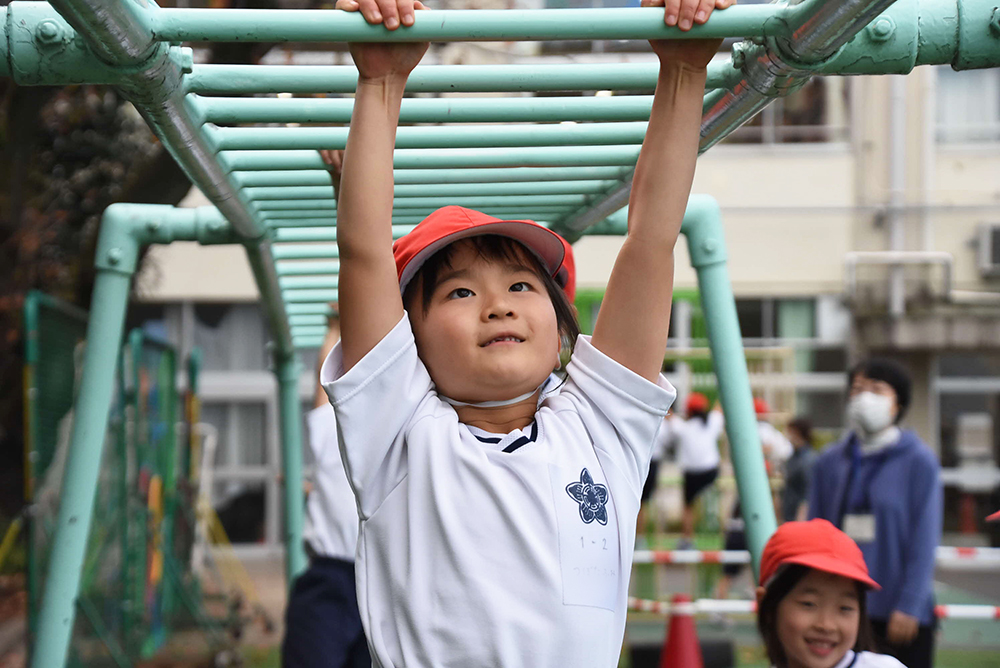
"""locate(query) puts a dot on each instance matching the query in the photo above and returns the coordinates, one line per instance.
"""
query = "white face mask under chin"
(504, 402)
(870, 413)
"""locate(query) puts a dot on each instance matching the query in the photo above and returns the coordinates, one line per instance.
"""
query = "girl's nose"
(825, 619)
(499, 306)
(499, 312)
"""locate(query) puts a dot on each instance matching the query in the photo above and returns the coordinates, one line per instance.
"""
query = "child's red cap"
(566, 276)
(697, 403)
(760, 406)
(448, 225)
(994, 517)
(816, 544)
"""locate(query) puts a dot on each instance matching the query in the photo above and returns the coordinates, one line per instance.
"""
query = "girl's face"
(818, 620)
(490, 331)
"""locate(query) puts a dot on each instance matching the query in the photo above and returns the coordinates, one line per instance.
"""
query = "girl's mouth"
(820, 648)
(503, 339)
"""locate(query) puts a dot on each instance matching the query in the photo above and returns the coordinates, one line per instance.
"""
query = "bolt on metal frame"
(272, 195)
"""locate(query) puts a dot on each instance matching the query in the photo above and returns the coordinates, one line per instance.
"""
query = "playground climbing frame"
(272, 196)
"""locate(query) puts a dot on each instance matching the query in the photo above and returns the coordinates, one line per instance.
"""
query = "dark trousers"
(918, 654)
(322, 622)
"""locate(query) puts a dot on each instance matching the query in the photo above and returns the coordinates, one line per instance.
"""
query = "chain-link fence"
(137, 586)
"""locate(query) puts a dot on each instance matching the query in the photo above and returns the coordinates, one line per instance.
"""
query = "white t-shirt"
(491, 550)
(662, 443)
(776, 446)
(698, 441)
(868, 660)
(332, 511)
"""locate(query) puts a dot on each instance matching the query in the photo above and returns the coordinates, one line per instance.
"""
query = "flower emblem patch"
(591, 496)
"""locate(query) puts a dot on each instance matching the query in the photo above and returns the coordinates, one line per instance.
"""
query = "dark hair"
(889, 372)
(805, 428)
(494, 248)
(767, 614)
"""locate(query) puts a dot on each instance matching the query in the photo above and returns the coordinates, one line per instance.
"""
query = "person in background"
(811, 600)
(322, 621)
(798, 471)
(777, 448)
(882, 486)
(697, 441)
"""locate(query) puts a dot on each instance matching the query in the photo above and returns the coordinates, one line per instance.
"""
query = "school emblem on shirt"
(591, 496)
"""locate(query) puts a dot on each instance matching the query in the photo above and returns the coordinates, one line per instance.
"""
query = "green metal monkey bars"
(565, 161)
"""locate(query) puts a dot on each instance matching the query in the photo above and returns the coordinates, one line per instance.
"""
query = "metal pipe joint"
(127, 227)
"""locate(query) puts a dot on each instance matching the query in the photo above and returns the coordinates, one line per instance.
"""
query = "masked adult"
(882, 486)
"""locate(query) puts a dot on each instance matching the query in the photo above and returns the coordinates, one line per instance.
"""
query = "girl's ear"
(760, 595)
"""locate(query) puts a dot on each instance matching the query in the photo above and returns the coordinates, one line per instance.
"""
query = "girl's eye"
(520, 286)
(460, 293)
(807, 604)
(848, 609)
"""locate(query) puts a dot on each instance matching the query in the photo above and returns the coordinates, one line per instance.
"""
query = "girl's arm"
(370, 303)
(634, 317)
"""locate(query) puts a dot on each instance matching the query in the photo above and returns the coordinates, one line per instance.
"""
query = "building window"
(231, 337)
(968, 105)
(243, 475)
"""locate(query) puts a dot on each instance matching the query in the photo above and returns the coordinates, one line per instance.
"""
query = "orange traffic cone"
(681, 648)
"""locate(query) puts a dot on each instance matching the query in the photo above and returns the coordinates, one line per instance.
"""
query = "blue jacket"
(902, 487)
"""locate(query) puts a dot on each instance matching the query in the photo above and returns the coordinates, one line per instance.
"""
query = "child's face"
(818, 620)
(490, 330)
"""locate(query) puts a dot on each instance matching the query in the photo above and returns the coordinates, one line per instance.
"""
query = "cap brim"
(827, 564)
(995, 517)
(540, 241)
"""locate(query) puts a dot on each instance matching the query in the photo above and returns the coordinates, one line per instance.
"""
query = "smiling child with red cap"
(811, 600)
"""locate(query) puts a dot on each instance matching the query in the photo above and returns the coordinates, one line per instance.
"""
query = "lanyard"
(876, 466)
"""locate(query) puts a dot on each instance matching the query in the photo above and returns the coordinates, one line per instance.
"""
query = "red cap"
(760, 406)
(566, 276)
(697, 403)
(451, 223)
(816, 544)
(995, 517)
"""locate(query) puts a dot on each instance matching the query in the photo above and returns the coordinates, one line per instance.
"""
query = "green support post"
(706, 245)
(288, 371)
(124, 227)
(104, 337)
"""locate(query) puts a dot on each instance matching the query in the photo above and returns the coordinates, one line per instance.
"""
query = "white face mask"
(870, 412)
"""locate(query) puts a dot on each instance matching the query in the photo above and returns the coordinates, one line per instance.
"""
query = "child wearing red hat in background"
(811, 600)
(498, 509)
(697, 442)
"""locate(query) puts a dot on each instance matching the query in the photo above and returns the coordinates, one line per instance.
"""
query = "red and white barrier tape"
(704, 606)
(967, 611)
(691, 557)
(946, 556)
